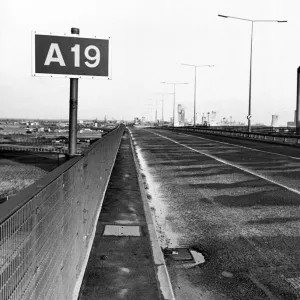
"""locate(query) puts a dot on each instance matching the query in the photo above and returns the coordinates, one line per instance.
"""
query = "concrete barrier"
(47, 230)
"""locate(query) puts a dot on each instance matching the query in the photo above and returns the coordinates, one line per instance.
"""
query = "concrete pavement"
(126, 261)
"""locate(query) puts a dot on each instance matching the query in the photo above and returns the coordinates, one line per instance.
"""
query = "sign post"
(297, 119)
(73, 110)
(74, 57)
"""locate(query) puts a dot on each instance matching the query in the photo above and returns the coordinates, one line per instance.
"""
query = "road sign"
(249, 117)
(70, 56)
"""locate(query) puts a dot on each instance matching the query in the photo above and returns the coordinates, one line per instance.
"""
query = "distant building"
(213, 118)
(274, 122)
(293, 124)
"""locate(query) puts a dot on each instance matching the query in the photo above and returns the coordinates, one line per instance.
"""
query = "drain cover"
(294, 282)
(182, 254)
(118, 230)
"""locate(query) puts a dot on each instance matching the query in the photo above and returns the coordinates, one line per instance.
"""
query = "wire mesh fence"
(45, 232)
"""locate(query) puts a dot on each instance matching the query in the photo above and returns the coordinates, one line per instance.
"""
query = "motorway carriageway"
(235, 201)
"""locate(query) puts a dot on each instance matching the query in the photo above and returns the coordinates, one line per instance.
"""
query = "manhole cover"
(117, 230)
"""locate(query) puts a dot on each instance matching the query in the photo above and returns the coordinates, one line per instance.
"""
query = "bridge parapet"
(280, 138)
(47, 230)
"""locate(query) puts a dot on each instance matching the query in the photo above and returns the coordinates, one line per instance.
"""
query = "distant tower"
(274, 122)
(181, 113)
(213, 116)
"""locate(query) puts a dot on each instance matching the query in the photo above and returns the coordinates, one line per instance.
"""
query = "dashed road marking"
(230, 164)
(253, 149)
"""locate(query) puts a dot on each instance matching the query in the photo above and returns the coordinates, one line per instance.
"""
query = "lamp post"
(162, 104)
(148, 110)
(250, 77)
(174, 84)
(195, 67)
(162, 111)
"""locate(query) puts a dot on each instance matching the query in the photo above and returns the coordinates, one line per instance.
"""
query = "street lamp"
(250, 78)
(148, 110)
(196, 66)
(162, 104)
(174, 84)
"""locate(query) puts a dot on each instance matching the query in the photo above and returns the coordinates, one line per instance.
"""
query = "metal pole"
(155, 111)
(250, 79)
(162, 110)
(298, 103)
(174, 108)
(73, 109)
(195, 98)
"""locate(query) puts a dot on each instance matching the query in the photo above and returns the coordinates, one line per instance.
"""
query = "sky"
(150, 42)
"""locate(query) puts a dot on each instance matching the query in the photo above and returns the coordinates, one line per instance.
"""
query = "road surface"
(234, 201)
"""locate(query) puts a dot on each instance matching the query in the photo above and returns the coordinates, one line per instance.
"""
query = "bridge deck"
(237, 202)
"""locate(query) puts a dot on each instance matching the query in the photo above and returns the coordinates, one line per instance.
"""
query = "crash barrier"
(46, 231)
(256, 129)
(274, 137)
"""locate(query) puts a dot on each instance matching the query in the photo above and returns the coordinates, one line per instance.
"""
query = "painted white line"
(230, 164)
(253, 149)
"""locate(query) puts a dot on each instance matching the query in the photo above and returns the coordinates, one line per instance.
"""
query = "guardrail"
(278, 138)
(256, 129)
(47, 230)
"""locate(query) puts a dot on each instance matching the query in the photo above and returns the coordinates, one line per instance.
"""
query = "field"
(20, 169)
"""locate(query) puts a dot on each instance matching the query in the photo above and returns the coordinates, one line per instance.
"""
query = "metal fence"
(46, 231)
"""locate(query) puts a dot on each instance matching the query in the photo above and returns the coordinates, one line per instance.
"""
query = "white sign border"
(34, 74)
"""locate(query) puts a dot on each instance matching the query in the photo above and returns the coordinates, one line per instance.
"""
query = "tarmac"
(126, 261)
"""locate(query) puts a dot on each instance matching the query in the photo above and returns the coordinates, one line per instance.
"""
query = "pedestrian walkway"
(122, 264)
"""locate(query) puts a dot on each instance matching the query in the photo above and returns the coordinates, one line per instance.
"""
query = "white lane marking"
(230, 164)
(293, 157)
